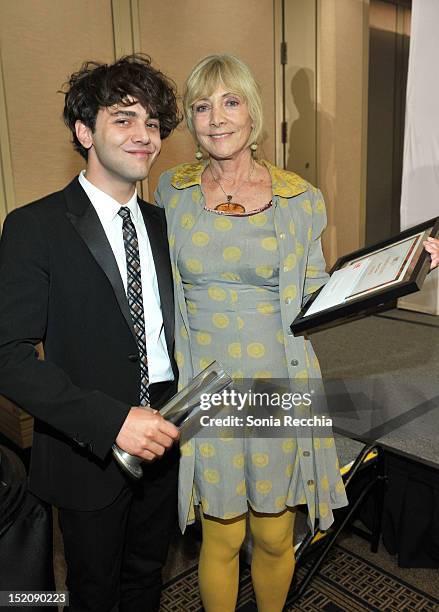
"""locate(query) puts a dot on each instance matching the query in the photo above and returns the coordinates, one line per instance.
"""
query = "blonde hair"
(236, 76)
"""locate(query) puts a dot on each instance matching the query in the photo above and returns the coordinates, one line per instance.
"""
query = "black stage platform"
(382, 377)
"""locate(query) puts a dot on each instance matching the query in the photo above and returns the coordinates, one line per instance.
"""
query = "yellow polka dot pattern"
(258, 220)
(232, 254)
(265, 308)
(269, 244)
(192, 307)
(290, 262)
(320, 206)
(207, 450)
(205, 361)
(234, 350)
(264, 486)
(186, 449)
(174, 201)
(196, 196)
(262, 374)
(231, 276)
(200, 239)
(220, 320)
(241, 488)
(260, 460)
(238, 375)
(256, 350)
(290, 292)
(264, 271)
(323, 510)
(311, 271)
(204, 338)
(222, 224)
(212, 476)
(187, 221)
(216, 293)
(280, 502)
(306, 205)
(238, 461)
(288, 445)
(194, 265)
(232, 325)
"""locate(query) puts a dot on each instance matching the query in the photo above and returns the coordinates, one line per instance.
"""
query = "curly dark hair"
(97, 85)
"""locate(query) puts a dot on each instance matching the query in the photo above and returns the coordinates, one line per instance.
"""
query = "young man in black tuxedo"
(86, 272)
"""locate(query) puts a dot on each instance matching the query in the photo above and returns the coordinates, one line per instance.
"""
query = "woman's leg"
(218, 570)
(273, 558)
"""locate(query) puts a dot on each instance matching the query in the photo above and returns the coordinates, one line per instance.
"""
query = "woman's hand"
(432, 246)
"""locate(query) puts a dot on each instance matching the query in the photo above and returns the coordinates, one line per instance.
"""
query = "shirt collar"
(106, 206)
(284, 183)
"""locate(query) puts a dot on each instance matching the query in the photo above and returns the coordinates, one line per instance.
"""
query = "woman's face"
(222, 123)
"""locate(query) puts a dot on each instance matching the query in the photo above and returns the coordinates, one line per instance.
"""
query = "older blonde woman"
(245, 246)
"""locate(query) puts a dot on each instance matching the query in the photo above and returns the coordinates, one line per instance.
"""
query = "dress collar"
(284, 183)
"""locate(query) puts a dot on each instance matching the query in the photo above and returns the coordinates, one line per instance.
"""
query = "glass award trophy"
(181, 409)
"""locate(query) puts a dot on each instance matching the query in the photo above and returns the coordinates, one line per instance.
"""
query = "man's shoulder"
(151, 210)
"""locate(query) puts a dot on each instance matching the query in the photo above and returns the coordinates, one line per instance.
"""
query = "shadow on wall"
(311, 147)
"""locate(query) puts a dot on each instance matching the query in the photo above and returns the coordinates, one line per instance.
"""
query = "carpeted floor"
(346, 583)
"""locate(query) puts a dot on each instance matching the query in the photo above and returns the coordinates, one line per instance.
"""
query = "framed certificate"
(369, 280)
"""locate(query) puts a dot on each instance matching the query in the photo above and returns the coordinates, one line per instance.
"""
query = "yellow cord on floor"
(272, 561)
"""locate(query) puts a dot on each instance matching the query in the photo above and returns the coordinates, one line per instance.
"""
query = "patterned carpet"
(346, 583)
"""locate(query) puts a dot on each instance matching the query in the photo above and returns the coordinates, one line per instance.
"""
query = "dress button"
(306, 453)
(310, 482)
(133, 358)
(288, 301)
(282, 236)
(285, 268)
(294, 362)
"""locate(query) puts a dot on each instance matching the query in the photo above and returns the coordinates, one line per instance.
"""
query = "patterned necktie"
(135, 297)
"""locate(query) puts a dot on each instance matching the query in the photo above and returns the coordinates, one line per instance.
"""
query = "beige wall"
(41, 44)
(327, 55)
(181, 32)
(326, 82)
(300, 87)
(342, 85)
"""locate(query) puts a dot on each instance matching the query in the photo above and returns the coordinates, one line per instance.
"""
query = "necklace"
(229, 206)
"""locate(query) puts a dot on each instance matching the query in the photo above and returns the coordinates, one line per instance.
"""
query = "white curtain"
(420, 179)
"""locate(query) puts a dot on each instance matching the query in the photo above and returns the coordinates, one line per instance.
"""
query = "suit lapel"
(160, 252)
(86, 222)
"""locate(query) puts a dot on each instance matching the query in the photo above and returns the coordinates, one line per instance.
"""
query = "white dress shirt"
(159, 365)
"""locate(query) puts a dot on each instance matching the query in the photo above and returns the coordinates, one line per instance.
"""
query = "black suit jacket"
(60, 284)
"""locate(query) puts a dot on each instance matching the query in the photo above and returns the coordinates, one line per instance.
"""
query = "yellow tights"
(272, 561)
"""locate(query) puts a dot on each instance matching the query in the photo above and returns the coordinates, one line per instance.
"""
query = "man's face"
(124, 144)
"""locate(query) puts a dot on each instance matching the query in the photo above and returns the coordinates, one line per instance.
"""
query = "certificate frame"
(412, 263)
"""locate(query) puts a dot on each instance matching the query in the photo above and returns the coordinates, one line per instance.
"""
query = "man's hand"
(146, 434)
(432, 246)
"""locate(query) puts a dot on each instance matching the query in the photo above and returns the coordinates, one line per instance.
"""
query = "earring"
(254, 147)
(198, 153)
